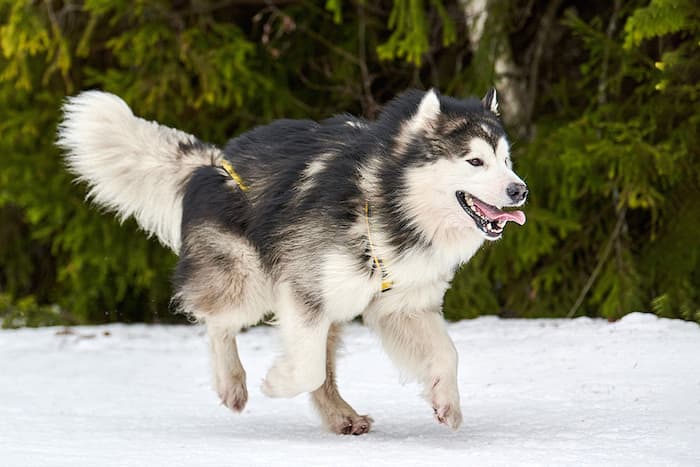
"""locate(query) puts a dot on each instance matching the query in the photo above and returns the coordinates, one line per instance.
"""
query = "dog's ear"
(490, 101)
(429, 107)
(428, 110)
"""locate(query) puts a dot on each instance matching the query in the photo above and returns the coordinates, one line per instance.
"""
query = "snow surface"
(534, 392)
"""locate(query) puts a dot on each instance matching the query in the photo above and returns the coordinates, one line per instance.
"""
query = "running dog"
(316, 222)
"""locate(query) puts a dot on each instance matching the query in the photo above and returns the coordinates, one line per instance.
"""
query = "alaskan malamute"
(316, 222)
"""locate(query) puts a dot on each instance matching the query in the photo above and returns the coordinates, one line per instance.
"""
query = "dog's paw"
(445, 401)
(233, 394)
(350, 424)
(283, 380)
(278, 381)
(271, 388)
(449, 415)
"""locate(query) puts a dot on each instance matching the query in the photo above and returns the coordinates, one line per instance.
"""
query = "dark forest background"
(601, 98)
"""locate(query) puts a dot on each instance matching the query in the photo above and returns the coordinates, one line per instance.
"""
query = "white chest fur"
(419, 279)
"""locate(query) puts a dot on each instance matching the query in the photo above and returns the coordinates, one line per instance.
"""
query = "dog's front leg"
(302, 365)
(419, 344)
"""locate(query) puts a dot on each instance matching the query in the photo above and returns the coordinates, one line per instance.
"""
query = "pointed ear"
(490, 101)
(428, 109)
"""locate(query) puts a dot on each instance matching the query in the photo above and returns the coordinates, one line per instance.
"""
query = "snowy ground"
(545, 392)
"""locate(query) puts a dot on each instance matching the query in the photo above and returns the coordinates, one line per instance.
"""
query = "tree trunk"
(487, 22)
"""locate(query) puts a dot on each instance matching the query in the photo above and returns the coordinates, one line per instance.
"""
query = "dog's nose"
(517, 192)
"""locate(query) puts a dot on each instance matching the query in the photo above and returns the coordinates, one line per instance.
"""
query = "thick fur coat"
(316, 222)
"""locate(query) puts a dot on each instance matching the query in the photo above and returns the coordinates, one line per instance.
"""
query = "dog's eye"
(476, 162)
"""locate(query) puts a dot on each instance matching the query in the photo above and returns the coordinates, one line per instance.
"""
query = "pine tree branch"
(546, 24)
(603, 258)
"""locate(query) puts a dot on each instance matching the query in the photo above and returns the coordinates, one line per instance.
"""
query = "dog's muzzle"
(490, 219)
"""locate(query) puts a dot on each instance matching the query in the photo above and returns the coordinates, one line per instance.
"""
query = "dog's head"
(458, 173)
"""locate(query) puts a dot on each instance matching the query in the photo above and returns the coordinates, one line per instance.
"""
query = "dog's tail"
(133, 167)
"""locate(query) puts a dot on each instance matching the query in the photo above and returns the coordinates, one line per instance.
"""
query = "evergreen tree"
(602, 100)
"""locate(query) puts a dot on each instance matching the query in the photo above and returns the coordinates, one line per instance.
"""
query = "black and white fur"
(297, 242)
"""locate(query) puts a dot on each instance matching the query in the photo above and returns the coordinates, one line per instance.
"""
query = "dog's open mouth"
(489, 219)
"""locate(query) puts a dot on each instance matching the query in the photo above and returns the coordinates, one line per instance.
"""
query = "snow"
(534, 392)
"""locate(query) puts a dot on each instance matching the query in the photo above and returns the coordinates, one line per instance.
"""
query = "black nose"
(517, 192)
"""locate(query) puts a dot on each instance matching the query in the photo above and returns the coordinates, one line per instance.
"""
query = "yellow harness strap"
(226, 165)
(387, 283)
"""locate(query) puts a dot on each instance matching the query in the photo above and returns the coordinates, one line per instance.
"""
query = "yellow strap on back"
(234, 175)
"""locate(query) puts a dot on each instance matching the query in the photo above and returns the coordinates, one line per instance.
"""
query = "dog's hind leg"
(419, 344)
(219, 281)
(337, 414)
(229, 375)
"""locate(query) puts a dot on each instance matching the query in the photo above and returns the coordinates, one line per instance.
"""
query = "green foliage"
(199, 67)
(335, 7)
(612, 159)
(26, 312)
(661, 17)
(613, 218)
(410, 37)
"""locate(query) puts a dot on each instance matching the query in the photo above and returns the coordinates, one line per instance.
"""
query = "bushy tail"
(133, 167)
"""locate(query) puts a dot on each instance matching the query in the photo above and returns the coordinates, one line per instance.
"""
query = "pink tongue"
(496, 214)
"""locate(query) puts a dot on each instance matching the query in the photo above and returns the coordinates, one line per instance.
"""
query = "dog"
(316, 222)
